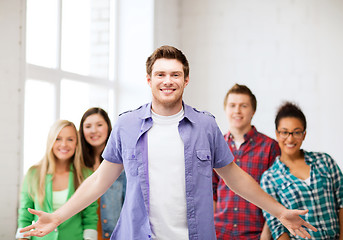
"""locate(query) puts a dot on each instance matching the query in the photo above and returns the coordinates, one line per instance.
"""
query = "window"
(39, 116)
(68, 66)
(82, 54)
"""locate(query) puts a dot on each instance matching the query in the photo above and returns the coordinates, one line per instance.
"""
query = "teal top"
(71, 229)
(323, 197)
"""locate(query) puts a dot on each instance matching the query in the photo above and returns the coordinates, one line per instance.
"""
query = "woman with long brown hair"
(95, 129)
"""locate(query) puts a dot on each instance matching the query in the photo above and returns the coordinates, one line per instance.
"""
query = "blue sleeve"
(222, 153)
(112, 151)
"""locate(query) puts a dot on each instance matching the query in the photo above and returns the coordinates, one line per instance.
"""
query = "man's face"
(239, 111)
(167, 82)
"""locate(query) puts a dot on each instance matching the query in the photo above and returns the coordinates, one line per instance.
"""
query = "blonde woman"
(50, 183)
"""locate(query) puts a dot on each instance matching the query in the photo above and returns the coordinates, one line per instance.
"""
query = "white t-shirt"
(168, 211)
(308, 180)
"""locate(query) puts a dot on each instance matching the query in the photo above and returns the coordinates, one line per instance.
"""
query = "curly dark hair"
(289, 109)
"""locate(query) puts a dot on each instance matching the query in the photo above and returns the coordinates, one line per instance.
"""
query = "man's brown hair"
(242, 89)
(167, 52)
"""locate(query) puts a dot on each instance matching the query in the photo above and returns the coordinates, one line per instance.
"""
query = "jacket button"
(104, 206)
(105, 221)
(107, 234)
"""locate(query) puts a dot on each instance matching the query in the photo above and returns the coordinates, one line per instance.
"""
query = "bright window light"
(39, 116)
(41, 34)
(77, 97)
(76, 36)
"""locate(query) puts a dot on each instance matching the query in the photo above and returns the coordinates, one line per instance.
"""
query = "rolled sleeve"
(275, 226)
(223, 154)
(90, 234)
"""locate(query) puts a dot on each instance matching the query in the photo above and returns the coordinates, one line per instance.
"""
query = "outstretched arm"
(245, 186)
(89, 191)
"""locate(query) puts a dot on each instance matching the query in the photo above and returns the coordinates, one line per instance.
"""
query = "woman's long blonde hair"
(48, 164)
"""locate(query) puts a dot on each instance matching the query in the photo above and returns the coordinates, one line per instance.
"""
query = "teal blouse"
(323, 197)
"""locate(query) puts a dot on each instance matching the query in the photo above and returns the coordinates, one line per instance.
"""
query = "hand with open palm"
(294, 223)
(46, 223)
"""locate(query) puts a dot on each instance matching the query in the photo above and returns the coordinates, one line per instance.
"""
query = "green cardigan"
(71, 229)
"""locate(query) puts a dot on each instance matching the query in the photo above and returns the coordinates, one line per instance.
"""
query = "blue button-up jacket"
(204, 149)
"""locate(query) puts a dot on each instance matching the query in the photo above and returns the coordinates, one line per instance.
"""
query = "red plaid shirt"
(236, 218)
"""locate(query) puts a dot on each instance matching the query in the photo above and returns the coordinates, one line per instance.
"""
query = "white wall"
(282, 50)
(11, 117)
(167, 23)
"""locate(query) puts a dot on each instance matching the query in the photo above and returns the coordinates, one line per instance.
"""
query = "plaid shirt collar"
(252, 134)
(283, 168)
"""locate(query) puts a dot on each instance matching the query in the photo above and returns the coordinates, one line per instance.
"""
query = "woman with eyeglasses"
(303, 180)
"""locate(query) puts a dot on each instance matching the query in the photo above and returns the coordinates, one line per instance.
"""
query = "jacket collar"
(49, 190)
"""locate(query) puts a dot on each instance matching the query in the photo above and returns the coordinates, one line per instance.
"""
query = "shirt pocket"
(324, 180)
(204, 162)
(289, 195)
(130, 157)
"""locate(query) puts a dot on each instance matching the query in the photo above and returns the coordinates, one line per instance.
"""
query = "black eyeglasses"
(296, 134)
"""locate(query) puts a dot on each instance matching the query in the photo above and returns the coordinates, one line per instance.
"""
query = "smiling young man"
(235, 217)
(168, 150)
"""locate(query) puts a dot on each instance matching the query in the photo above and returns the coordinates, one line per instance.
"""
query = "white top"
(168, 212)
(308, 180)
(59, 198)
